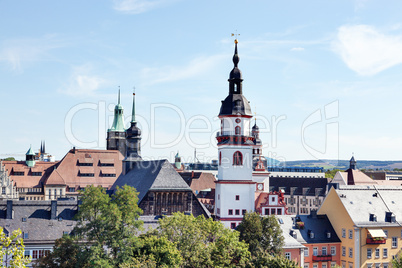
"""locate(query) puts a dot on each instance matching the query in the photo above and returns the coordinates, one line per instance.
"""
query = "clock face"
(260, 186)
(238, 120)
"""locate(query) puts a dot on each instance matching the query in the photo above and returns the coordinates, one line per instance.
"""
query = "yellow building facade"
(365, 218)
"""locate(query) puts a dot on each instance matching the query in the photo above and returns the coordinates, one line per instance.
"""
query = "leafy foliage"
(103, 222)
(203, 242)
(397, 261)
(331, 173)
(264, 259)
(261, 233)
(12, 250)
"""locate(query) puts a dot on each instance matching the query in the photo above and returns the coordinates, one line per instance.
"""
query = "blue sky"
(322, 76)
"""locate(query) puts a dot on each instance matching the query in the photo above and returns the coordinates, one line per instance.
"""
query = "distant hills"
(344, 164)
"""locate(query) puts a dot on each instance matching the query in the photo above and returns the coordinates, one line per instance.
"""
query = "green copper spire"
(133, 112)
(30, 157)
(118, 120)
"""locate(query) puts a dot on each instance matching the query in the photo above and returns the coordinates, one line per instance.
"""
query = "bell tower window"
(237, 159)
(237, 130)
(220, 158)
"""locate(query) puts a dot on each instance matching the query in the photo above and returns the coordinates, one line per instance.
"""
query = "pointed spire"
(43, 148)
(236, 58)
(133, 112)
(118, 101)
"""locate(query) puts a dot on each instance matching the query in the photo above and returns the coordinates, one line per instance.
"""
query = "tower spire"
(133, 112)
(118, 101)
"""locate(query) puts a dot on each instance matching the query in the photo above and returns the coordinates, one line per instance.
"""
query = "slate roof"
(296, 185)
(40, 228)
(157, 175)
(235, 104)
(319, 225)
(361, 201)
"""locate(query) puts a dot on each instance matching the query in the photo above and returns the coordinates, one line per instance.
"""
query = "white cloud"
(367, 51)
(195, 68)
(82, 82)
(297, 49)
(139, 6)
(17, 52)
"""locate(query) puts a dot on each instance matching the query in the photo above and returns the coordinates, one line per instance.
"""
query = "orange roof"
(28, 180)
(55, 179)
(70, 167)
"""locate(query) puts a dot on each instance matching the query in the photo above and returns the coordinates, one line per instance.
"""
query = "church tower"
(133, 143)
(235, 189)
(116, 136)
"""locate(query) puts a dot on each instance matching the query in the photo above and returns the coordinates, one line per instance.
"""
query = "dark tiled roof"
(235, 104)
(34, 218)
(299, 186)
(318, 225)
(154, 175)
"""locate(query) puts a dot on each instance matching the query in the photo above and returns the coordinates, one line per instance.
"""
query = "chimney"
(10, 213)
(53, 210)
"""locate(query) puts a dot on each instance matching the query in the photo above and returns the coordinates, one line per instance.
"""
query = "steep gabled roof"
(55, 179)
(154, 175)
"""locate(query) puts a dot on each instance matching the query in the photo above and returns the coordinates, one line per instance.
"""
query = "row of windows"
(273, 211)
(377, 253)
(317, 252)
(350, 233)
(93, 175)
(36, 253)
(237, 212)
(377, 265)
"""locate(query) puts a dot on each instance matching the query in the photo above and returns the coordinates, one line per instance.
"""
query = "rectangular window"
(3, 190)
(287, 255)
(385, 265)
(218, 211)
(385, 253)
(377, 265)
(324, 250)
(27, 253)
(377, 253)
(369, 253)
(333, 251)
(350, 234)
(237, 197)
(394, 242)
(34, 254)
(230, 212)
(315, 265)
(273, 211)
(237, 211)
(350, 252)
(61, 192)
(306, 252)
(344, 251)
(233, 225)
(315, 251)
(25, 235)
(343, 232)
(279, 211)
(369, 265)
(243, 212)
(324, 265)
(267, 211)
(333, 264)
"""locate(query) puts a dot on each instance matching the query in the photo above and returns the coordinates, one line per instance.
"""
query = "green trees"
(105, 234)
(203, 242)
(12, 250)
(261, 233)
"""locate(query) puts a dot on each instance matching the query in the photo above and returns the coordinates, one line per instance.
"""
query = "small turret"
(352, 163)
(177, 161)
(30, 157)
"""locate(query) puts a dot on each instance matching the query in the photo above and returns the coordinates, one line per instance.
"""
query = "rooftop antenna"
(195, 156)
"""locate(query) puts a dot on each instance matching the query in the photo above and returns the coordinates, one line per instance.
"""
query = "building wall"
(228, 171)
(296, 255)
(342, 224)
(303, 204)
(310, 262)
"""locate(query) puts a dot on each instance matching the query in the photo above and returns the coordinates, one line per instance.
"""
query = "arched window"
(220, 158)
(237, 159)
(237, 130)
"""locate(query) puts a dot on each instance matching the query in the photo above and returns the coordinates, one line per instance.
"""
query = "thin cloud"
(82, 82)
(18, 52)
(297, 49)
(140, 6)
(367, 51)
(193, 69)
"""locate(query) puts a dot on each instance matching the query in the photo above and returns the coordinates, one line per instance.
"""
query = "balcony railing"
(322, 258)
(374, 241)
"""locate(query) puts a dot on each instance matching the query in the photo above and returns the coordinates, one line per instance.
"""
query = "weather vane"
(235, 34)
(133, 90)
